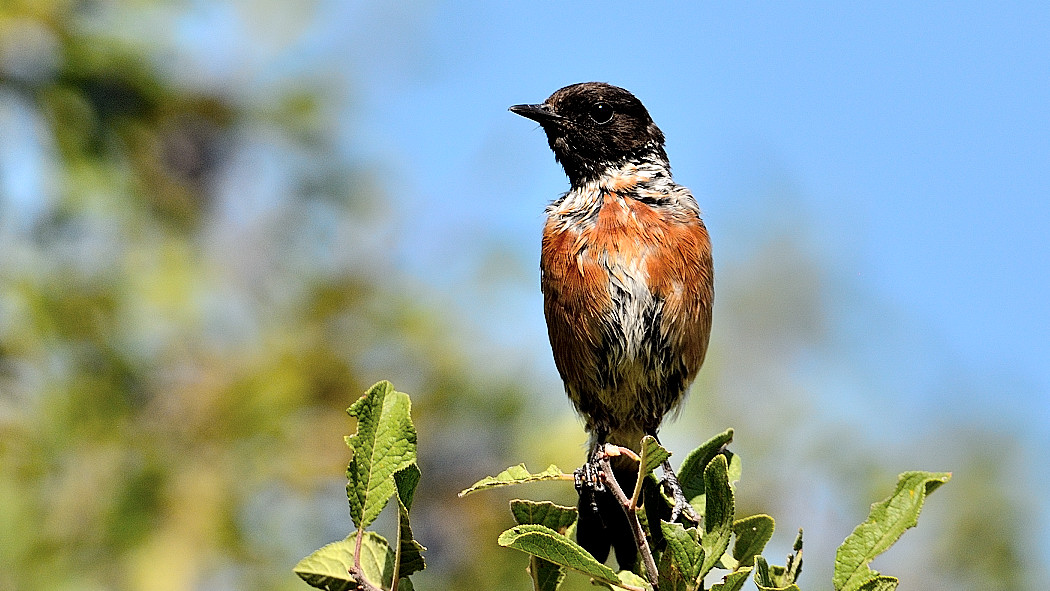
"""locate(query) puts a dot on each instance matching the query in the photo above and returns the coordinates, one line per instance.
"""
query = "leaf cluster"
(725, 548)
(383, 466)
(721, 549)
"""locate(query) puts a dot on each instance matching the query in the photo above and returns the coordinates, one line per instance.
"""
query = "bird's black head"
(593, 126)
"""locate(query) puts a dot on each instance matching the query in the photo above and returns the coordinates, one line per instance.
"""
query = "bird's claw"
(588, 477)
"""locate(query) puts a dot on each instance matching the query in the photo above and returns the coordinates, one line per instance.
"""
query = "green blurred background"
(208, 253)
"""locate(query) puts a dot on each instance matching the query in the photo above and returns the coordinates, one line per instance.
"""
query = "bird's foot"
(588, 477)
(590, 480)
(681, 504)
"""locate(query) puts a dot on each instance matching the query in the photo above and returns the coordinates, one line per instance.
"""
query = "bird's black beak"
(539, 113)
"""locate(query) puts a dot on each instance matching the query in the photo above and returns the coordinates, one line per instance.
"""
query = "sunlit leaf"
(887, 521)
(653, 454)
(411, 551)
(515, 475)
(733, 581)
(752, 534)
(718, 518)
(691, 472)
(545, 574)
(545, 543)
(682, 559)
(329, 567)
(384, 444)
(767, 577)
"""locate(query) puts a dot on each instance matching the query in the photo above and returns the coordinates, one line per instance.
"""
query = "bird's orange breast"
(627, 297)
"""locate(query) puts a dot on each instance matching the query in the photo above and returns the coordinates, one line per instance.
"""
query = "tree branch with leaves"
(676, 556)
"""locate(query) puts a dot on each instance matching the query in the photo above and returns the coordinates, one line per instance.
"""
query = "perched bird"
(628, 285)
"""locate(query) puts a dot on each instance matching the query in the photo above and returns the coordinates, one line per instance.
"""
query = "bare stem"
(637, 489)
(355, 571)
(616, 450)
(363, 583)
(632, 518)
(357, 547)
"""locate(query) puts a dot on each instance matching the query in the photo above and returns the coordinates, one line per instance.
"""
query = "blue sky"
(916, 138)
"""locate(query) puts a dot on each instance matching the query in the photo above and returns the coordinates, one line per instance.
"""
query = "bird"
(628, 287)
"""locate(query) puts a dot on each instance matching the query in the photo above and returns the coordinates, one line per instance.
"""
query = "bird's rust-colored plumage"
(627, 293)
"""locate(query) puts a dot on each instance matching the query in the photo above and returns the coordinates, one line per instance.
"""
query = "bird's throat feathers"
(647, 181)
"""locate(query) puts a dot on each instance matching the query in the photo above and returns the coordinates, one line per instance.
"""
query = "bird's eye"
(601, 113)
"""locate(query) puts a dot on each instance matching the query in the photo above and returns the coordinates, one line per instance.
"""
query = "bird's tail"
(602, 523)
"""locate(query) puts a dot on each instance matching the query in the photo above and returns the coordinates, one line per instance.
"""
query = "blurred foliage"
(197, 279)
(175, 352)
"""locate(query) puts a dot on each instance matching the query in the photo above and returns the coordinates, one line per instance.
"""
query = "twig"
(357, 547)
(362, 582)
(616, 450)
(612, 451)
(632, 518)
(637, 489)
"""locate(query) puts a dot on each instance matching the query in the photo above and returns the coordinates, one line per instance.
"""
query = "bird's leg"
(681, 504)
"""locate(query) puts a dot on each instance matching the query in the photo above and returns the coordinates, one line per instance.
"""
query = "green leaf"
(752, 535)
(628, 579)
(329, 567)
(556, 517)
(410, 554)
(681, 561)
(691, 473)
(545, 543)
(411, 559)
(384, 444)
(653, 454)
(733, 581)
(656, 507)
(880, 583)
(718, 516)
(794, 562)
(545, 574)
(516, 475)
(886, 522)
(405, 481)
(634, 579)
(766, 577)
(734, 467)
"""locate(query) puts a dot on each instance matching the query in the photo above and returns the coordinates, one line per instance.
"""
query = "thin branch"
(611, 451)
(363, 583)
(637, 489)
(357, 547)
(632, 518)
(615, 450)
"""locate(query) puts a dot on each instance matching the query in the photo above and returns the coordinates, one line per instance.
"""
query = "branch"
(362, 582)
(632, 518)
